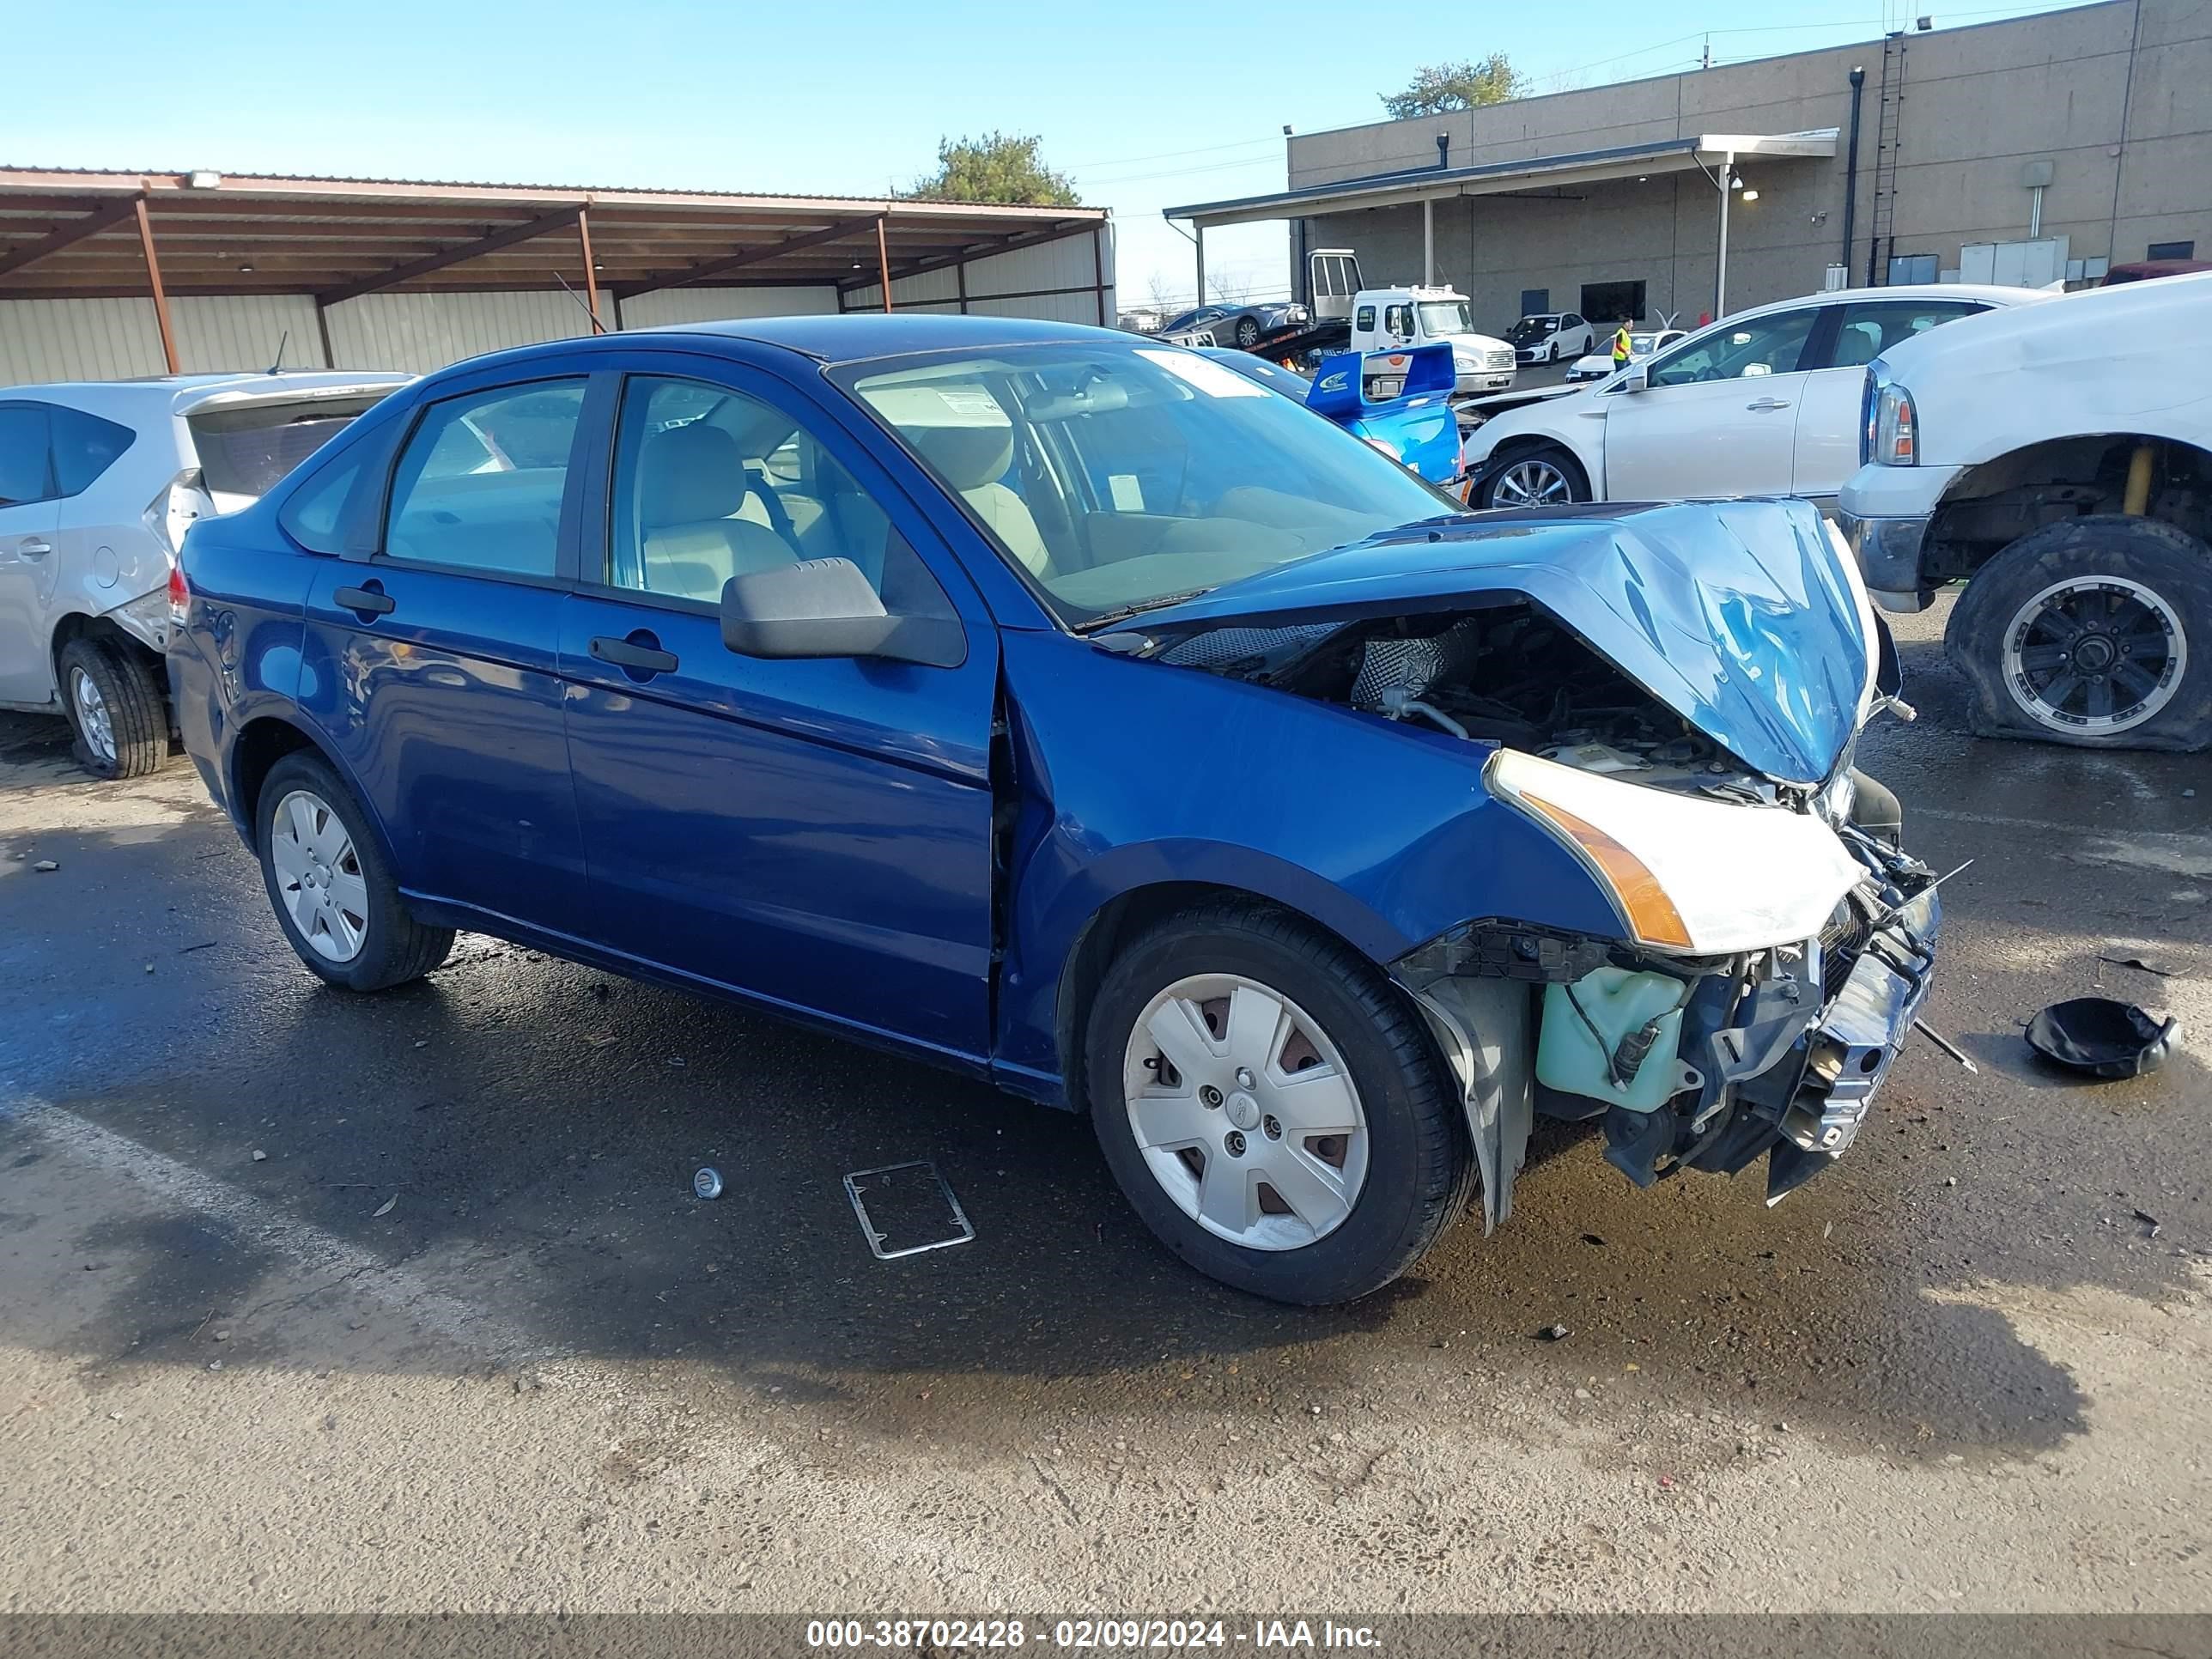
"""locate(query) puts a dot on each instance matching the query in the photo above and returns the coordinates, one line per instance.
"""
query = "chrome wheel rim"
(92, 717)
(319, 876)
(1245, 1112)
(1531, 484)
(2094, 655)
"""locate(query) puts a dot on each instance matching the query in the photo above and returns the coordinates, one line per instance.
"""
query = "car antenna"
(598, 327)
(283, 340)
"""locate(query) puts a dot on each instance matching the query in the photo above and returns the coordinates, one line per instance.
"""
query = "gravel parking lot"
(309, 1301)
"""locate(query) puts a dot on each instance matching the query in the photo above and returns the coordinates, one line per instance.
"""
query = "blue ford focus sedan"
(1072, 711)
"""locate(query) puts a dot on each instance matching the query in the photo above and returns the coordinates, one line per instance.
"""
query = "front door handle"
(639, 655)
(35, 550)
(366, 602)
(1766, 403)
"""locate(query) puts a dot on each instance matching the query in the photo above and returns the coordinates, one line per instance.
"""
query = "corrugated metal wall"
(1054, 281)
(109, 339)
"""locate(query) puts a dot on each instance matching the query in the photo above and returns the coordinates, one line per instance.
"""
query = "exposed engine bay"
(1685, 1060)
(1505, 673)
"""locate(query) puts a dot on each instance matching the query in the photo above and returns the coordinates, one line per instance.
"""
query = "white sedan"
(1763, 403)
(1641, 345)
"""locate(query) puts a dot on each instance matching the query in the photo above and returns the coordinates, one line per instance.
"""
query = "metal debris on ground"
(384, 1208)
(2102, 1036)
(260, 1157)
(1553, 1333)
(707, 1183)
(45, 865)
(913, 1209)
(2143, 964)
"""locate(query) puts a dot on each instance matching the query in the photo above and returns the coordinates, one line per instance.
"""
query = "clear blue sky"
(849, 97)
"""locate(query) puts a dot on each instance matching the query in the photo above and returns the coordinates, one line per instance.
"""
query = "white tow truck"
(1387, 323)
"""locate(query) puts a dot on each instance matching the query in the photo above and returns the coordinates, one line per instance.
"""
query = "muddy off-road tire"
(1272, 1108)
(115, 708)
(2095, 632)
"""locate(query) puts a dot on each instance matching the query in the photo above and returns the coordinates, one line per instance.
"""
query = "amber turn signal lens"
(1651, 914)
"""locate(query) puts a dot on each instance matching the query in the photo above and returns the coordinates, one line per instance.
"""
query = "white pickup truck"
(2056, 458)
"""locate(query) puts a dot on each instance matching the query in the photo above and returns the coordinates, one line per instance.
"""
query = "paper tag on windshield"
(973, 402)
(1215, 379)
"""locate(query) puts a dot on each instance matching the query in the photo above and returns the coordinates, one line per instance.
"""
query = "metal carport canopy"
(1497, 177)
(82, 235)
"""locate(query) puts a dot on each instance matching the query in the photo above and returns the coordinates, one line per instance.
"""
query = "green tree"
(1439, 87)
(999, 168)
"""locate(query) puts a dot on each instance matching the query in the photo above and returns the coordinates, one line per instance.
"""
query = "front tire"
(1547, 476)
(2095, 632)
(1272, 1109)
(115, 708)
(1247, 333)
(329, 886)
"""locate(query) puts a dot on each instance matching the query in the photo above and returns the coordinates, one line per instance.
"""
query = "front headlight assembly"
(1688, 877)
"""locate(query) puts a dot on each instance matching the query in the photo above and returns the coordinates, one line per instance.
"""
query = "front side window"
(480, 483)
(84, 447)
(1869, 328)
(23, 472)
(1762, 345)
(710, 484)
(1113, 477)
(1398, 319)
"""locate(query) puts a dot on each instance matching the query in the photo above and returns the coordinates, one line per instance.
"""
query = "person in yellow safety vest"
(1621, 346)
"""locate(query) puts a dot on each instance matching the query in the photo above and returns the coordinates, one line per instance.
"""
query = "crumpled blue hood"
(1737, 615)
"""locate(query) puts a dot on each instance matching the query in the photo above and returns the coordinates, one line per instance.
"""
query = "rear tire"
(330, 885)
(1544, 476)
(1325, 1217)
(115, 708)
(2096, 632)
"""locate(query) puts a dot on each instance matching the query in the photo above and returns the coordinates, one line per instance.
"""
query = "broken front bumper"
(1784, 1065)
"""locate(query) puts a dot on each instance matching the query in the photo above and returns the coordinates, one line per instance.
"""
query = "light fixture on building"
(1736, 181)
(1924, 24)
(247, 268)
(203, 178)
(1751, 196)
(1287, 129)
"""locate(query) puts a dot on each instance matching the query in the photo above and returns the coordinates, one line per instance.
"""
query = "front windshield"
(1530, 330)
(1441, 319)
(1117, 477)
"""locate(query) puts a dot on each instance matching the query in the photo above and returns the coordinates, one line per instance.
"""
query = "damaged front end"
(1673, 695)
(1689, 1063)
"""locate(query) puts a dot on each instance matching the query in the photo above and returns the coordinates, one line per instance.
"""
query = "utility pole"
(1705, 61)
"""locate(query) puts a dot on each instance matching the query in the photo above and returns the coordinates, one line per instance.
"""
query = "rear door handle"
(370, 601)
(1765, 404)
(640, 654)
(35, 550)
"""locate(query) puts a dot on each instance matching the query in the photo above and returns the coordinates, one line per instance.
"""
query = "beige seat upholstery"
(691, 486)
(972, 459)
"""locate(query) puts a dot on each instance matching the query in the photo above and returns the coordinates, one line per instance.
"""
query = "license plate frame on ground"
(904, 1210)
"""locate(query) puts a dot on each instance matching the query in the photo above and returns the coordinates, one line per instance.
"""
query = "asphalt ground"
(315, 1301)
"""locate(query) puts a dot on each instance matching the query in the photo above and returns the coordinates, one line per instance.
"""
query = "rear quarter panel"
(238, 657)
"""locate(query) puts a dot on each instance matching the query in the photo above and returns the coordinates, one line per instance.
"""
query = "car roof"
(191, 390)
(858, 337)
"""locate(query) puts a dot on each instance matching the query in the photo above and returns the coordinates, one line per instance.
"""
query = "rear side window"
(480, 484)
(23, 454)
(84, 447)
(245, 451)
(339, 507)
(1870, 327)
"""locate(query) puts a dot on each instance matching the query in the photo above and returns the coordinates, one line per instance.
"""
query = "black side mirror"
(827, 607)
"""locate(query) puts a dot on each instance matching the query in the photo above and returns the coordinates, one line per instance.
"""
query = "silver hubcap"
(319, 876)
(1245, 1112)
(2094, 655)
(92, 717)
(1532, 483)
